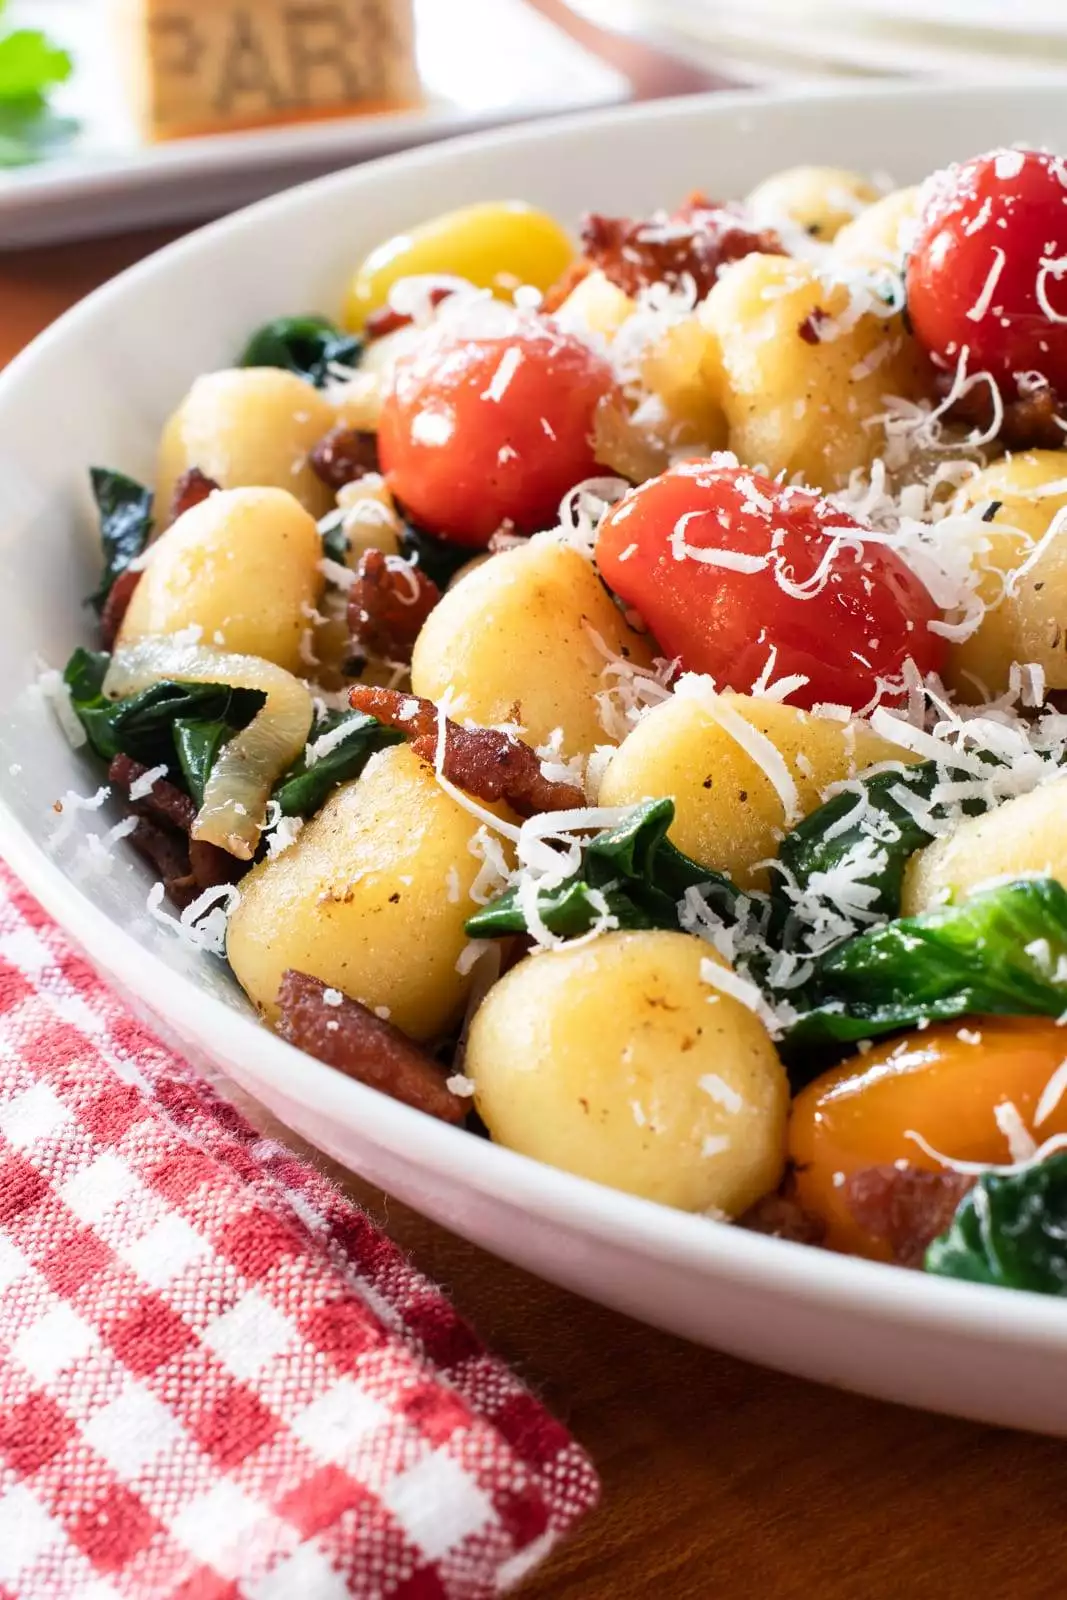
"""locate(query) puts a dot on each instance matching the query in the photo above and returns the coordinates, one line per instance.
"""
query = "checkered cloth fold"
(217, 1378)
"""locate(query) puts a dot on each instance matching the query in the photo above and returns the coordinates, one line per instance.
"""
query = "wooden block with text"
(209, 66)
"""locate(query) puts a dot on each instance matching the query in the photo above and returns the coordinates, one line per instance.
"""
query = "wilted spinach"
(439, 559)
(309, 346)
(335, 542)
(125, 508)
(1001, 952)
(142, 725)
(303, 789)
(633, 866)
(198, 742)
(1010, 1230)
(824, 838)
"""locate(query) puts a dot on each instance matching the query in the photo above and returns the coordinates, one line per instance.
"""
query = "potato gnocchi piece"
(516, 641)
(249, 427)
(820, 200)
(802, 372)
(1022, 836)
(357, 402)
(371, 899)
(618, 1061)
(669, 366)
(880, 237)
(1025, 588)
(728, 814)
(243, 567)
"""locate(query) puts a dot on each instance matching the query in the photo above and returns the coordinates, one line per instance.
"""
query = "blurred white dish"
(95, 389)
(482, 62)
(821, 41)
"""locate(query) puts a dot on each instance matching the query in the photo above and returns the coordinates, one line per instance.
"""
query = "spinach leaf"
(639, 873)
(142, 725)
(125, 508)
(303, 789)
(198, 743)
(1001, 952)
(308, 346)
(1011, 1230)
(335, 542)
(436, 557)
(825, 838)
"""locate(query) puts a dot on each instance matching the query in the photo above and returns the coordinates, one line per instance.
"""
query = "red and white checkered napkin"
(217, 1378)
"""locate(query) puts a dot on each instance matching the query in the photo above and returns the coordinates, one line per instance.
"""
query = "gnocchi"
(242, 569)
(611, 698)
(492, 644)
(365, 901)
(619, 1062)
(251, 427)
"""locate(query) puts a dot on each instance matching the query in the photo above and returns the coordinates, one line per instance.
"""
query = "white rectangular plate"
(482, 62)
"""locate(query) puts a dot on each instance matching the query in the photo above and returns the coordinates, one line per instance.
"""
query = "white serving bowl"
(95, 389)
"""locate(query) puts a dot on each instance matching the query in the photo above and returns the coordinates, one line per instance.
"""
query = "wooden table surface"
(720, 1480)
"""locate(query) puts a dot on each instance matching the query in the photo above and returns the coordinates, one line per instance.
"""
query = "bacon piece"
(695, 243)
(409, 713)
(782, 1216)
(344, 455)
(1033, 421)
(116, 605)
(572, 276)
(350, 1038)
(166, 816)
(192, 487)
(906, 1208)
(388, 604)
(386, 320)
(164, 802)
(168, 853)
(483, 761)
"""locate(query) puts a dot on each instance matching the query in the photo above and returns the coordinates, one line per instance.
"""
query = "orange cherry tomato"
(484, 429)
(935, 1083)
(731, 570)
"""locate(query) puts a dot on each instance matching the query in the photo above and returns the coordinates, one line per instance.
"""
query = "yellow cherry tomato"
(496, 245)
(943, 1083)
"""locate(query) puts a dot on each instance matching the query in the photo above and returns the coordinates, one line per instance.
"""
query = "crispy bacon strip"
(164, 803)
(904, 1208)
(344, 455)
(349, 1037)
(386, 320)
(192, 487)
(483, 761)
(166, 816)
(388, 604)
(695, 243)
(116, 606)
(1035, 421)
(572, 276)
(782, 1216)
(168, 852)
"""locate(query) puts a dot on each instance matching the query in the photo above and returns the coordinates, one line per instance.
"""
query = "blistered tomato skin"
(732, 571)
(988, 269)
(482, 430)
(944, 1084)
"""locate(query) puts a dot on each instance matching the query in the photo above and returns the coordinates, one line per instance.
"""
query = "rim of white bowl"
(819, 1277)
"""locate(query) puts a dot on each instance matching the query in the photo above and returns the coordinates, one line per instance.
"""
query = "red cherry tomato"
(990, 264)
(479, 430)
(725, 565)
